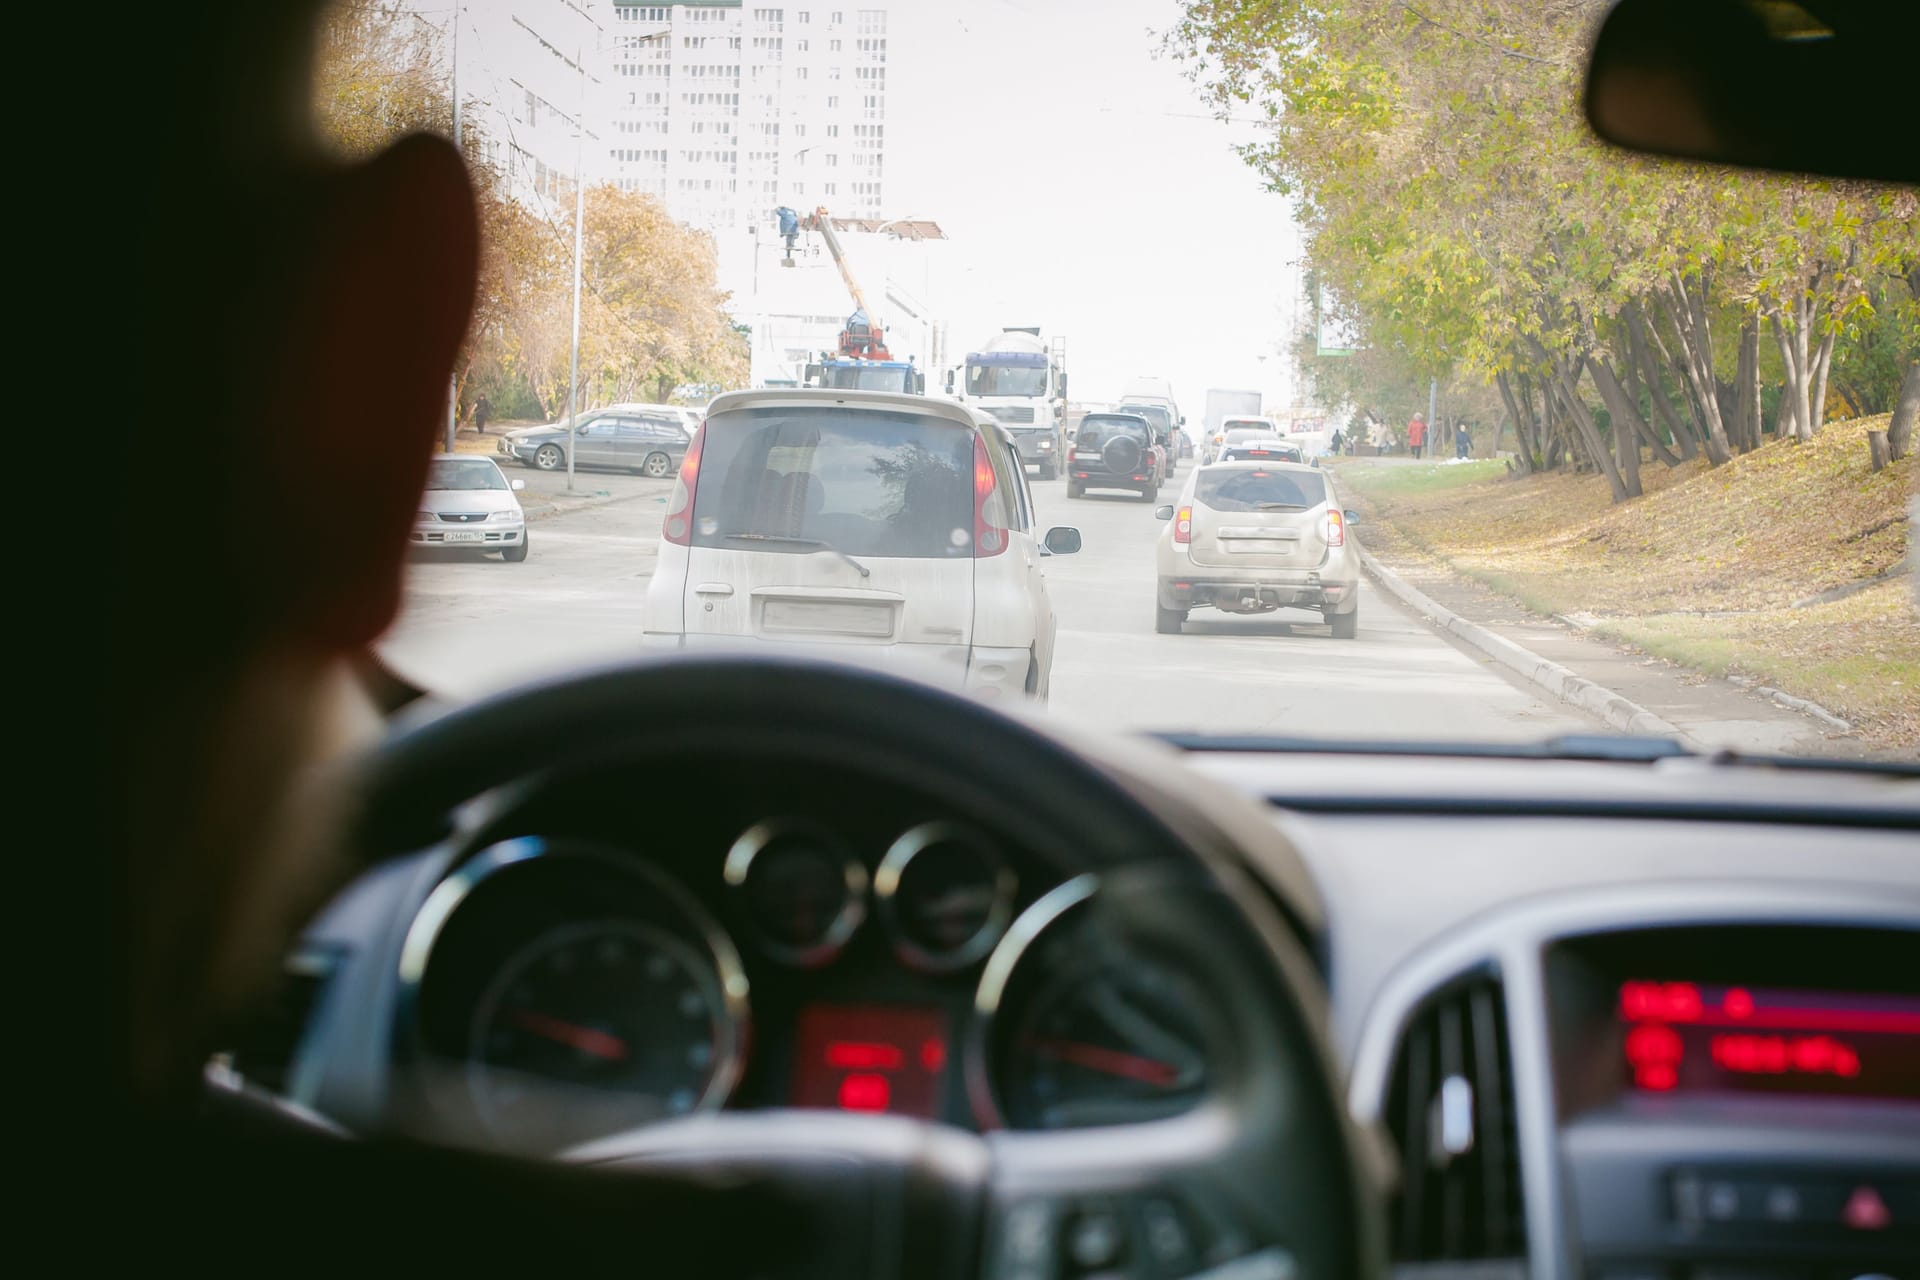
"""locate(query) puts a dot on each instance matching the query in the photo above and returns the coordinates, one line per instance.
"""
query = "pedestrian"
(1338, 439)
(1462, 440)
(482, 410)
(1417, 434)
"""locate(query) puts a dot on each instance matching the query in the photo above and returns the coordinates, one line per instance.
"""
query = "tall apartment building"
(532, 73)
(728, 110)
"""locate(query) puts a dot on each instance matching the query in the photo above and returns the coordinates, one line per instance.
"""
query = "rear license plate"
(466, 535)
(827, 617)
(1259, 546)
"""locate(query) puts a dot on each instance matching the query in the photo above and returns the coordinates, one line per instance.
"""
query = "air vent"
(1450, 1111)
(266, 1054)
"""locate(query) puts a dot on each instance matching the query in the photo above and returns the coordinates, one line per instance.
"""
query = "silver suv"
(1253, 537)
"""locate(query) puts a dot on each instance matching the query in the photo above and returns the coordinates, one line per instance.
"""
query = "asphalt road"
(473, 624)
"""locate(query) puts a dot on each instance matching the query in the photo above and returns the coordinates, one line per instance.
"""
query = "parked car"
(1116, 451)
(650, 439)
(1262, 449)
(1253, 537)
(860, 525)
(470, 503)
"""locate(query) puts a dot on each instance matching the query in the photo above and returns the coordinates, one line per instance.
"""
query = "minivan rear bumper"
(1243, 593)
(983, 670)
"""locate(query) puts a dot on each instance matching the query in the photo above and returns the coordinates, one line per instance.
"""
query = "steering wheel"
(1261, 1179)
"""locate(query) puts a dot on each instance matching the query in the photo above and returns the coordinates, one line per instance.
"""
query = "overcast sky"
(1086, 189)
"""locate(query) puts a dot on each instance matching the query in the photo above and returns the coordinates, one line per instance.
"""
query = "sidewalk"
(1714, 712)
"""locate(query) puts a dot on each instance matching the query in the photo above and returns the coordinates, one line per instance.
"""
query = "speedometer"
(596, 1027)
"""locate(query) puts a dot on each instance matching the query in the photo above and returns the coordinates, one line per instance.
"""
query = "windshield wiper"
(801, 542)
(1282, 506)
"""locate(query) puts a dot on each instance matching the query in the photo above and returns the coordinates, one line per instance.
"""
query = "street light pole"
(453, 380)
(579, 207)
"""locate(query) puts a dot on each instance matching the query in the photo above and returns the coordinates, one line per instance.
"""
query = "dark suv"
(1116, 451)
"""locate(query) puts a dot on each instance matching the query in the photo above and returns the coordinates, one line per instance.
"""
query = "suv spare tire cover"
(1122, 453)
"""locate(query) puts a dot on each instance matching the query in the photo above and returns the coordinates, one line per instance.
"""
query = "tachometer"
(1116, 1044)
(595, 1027)
(1081, 1024)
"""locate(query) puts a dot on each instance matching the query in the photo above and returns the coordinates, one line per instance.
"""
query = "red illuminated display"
(1690, 1036)
(871, 1058)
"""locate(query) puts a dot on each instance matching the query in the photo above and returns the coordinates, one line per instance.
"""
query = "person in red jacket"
(1417, 434)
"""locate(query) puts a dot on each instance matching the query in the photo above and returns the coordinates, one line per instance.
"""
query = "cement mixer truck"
(1020, 379)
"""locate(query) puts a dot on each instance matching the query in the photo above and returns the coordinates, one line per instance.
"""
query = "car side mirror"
(1062, 540)
(516, 485)
(1351, 516)
(1701, 81)
(1163, 513)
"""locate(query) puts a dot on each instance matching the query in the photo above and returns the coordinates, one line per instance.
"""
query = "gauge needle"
(1113, 1062)
(585, 1039)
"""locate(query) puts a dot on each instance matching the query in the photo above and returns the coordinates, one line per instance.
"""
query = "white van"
(864, 526)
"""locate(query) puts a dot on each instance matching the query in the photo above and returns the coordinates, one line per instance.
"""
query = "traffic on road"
(914, 533)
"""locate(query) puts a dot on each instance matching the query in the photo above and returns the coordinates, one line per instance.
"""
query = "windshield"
(1242, 489)
(457, 475)
(881, 485)
(1634, 416)
(999, 380)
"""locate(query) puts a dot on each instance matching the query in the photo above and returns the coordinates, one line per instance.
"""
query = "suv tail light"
(678, 528)
(1183, 525)
(989, 539)
(1336, 528)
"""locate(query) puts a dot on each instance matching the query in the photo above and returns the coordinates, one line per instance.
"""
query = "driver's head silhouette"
(315, 297)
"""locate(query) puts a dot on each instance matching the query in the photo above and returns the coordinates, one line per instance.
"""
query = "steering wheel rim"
(1282, 1126)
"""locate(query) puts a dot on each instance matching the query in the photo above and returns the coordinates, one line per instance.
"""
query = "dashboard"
(597, 955)
(1641, 1021)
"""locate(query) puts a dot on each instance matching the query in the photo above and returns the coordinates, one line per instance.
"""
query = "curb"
(548, 510)
(1575, 690)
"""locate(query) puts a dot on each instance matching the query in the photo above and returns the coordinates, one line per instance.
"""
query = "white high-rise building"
(532, 73)
(728, 110)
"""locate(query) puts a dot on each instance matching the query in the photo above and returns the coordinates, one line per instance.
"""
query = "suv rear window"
(866, 483)
(1095, 431)
(1241, 489)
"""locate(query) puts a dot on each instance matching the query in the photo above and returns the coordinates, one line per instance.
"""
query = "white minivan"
(865, 526)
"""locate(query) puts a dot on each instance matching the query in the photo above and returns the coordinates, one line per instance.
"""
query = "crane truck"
(862, 361)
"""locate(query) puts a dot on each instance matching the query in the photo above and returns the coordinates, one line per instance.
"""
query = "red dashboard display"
(1693, 1037)
(871, 1058)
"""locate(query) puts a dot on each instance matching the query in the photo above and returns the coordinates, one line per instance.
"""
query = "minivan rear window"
(865, 483)
(1257, 489)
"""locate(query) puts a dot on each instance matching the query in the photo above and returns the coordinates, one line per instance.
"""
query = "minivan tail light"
(989, 539)
(678, 528)
(1336, 528)
(1183, 525)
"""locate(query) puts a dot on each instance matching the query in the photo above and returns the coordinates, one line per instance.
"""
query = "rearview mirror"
(1351, 516)
(1062, 540)
(1163, 513)
(1703, 81)
(517, 485)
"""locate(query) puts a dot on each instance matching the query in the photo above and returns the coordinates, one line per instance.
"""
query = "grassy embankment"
(1784, 565)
